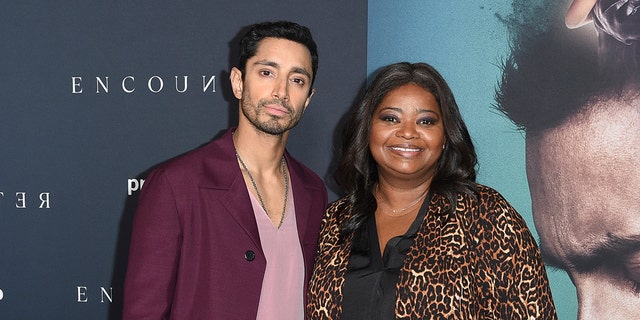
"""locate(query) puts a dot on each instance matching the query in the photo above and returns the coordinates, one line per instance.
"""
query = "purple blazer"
(195, 250)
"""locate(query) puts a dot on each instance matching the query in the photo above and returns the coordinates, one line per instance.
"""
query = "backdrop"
(95, 93)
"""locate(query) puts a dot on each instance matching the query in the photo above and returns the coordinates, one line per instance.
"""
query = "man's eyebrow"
(302, 71)
(267, 63)
(274, 64)
(611, 250)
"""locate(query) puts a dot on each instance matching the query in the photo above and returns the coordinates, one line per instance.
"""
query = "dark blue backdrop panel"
(94, 94)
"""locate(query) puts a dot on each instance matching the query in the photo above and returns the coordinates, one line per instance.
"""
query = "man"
(229, 230)
(583, 165)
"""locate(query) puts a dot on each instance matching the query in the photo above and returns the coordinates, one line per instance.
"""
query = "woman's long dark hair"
(357, 173)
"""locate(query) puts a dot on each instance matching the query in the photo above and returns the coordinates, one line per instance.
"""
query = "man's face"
(276, 88)
(584, 178)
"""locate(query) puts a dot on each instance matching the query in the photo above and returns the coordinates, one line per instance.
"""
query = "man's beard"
(273, 125)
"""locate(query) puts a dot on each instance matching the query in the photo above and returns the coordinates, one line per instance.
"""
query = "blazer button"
(249, 255)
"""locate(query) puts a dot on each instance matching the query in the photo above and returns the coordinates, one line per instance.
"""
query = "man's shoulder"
(192, 162)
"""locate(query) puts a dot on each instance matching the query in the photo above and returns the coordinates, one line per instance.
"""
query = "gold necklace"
(283, 166)
(394, 211)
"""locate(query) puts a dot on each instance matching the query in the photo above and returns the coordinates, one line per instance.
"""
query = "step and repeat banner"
(95, 93)
(549, 91)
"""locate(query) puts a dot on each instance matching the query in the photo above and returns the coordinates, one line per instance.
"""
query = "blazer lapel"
(221, 174)
(305, 196)
(237, 203)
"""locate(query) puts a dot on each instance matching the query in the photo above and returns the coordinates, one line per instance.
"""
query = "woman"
(416, 237)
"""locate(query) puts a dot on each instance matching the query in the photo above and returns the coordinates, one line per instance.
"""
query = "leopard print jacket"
(480, 262)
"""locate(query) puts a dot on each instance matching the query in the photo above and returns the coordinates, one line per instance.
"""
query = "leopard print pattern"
(479, 262)
(325, 289)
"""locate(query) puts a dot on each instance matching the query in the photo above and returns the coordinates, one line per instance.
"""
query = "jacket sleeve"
(154, 252)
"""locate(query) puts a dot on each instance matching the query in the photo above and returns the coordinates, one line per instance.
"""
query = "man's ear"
(306, 102)
(236, 82)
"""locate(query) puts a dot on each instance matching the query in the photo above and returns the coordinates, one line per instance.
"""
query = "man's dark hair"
(280, 30)
(357, 171)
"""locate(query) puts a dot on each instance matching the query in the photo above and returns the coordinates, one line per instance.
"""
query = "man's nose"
(281, 89)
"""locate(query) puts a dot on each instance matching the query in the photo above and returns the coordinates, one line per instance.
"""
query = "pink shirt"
(282, 296)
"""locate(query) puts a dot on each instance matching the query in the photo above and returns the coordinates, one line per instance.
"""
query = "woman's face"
(407, 133)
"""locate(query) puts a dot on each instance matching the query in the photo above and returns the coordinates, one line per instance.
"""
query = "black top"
(369, 291)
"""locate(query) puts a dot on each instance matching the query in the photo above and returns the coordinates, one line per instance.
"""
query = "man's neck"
(261, 151)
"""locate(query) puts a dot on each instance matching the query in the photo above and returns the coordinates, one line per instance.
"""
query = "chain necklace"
(394, 211)
(255, 186)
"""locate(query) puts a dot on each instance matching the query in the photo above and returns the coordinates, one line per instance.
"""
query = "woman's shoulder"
(491, 206)
(486, 191)
(480, 194)
(338, 209)
(486, 202)
(340, 203)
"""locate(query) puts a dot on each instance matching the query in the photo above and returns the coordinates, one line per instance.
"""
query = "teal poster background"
(467, 42)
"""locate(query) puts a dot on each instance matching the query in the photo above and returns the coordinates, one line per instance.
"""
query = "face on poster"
(583, 167)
